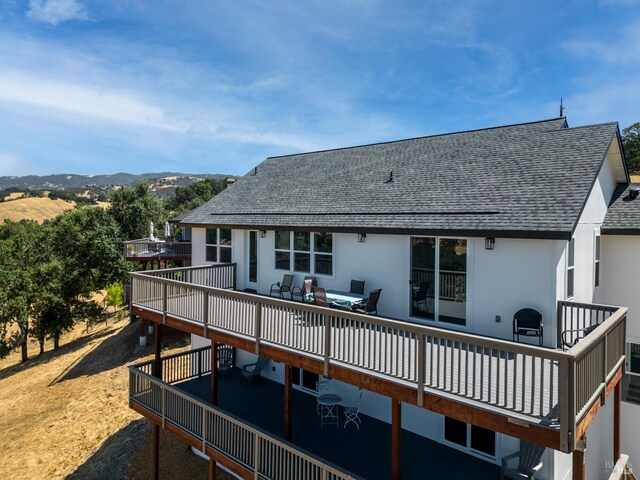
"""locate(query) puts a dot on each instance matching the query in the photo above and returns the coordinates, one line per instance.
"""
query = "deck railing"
(265, 455)
(544, 385)
(139, 248)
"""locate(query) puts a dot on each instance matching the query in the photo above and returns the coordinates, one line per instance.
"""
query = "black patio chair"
(371, 307)
(528, 322)
(571, 337)
(279, 289)
(357, 286)
(528, 465)
(308, 282)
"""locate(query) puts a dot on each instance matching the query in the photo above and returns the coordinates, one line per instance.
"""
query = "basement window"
(470, 437)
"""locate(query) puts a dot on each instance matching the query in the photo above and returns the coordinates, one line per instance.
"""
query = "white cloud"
(621, 51)
(54, 12)
(87, 100)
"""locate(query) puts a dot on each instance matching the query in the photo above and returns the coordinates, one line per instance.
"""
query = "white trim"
(312, 255)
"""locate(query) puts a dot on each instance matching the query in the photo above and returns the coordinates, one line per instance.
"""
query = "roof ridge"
(388, 142)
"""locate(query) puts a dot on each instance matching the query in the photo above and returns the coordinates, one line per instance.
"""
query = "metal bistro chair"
(357, 286)
(352, 413)
(281, 288)
(301, 292)
(322, 387)
(528, 464)
(528, 322)
(371, 307)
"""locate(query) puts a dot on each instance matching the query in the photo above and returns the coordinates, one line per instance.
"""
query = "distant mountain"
(72, 181)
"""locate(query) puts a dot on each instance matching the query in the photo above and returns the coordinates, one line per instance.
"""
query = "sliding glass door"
(439, 265)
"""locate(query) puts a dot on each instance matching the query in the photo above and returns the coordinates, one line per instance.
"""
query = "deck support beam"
(288, 398)
(617, 394)
(579, 468)
(214, 397)
(157, 372)
(396, 435)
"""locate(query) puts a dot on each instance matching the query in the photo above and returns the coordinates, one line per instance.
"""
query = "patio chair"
(252, 370)
(357, 286)
(371, 307)
(225, 358)
(528, 464)
(308, 282)
(571, 337)
(320, 296)
(281, 288)
(352, 413)
(528, 322)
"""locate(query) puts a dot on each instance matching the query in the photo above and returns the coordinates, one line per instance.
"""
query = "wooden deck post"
(617, 394)
(157, 372)
(579, 470)
(396, 434)
(288, 394)
(214, 398)
(214, 372)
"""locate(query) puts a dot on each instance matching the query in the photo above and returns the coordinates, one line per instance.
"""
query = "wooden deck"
(534, 393)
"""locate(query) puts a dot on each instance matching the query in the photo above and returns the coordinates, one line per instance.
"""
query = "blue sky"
(91, 86)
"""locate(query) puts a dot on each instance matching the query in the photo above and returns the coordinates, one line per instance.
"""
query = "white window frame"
(597, 254)
(218, 246)
(312, 254)
(571, 245)
(468, 449)
(436, 320)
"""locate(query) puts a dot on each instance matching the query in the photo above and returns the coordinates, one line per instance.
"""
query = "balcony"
(146, 250)
(180, 400)
(543, 395)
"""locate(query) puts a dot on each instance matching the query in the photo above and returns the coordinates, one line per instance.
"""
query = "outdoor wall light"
(263, 233)
(362, 237)
(489, 243)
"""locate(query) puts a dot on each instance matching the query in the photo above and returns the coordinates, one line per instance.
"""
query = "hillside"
(65, 414)
(33, 208)
(65, 181)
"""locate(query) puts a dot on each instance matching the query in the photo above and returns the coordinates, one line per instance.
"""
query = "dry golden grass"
(33, 208)
(13, 196)
(635, 178)
(65, 414)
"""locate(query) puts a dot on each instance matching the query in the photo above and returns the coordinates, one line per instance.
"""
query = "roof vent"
(634, 191)
(390, 177)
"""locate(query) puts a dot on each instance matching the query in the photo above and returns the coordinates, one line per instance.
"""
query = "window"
(571, 268)
(304, 252)
(631, 379)
(218, 245)
(596, 269)
(470, 437)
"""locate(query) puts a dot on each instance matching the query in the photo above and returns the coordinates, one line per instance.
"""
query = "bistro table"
(344, 300)
(329, 409)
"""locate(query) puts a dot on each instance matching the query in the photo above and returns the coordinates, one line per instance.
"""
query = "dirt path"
(65, 414)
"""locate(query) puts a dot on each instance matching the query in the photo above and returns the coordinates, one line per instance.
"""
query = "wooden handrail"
(517, 378)
(204, 422)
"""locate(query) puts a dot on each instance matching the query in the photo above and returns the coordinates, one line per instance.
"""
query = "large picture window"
(439, 279)
(304, 252)
(218, 245)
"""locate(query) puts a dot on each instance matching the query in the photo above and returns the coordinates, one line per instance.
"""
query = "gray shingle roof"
(623, 215)
(522, 180)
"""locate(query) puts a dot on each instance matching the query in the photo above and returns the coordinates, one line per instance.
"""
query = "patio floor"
(365, 452)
